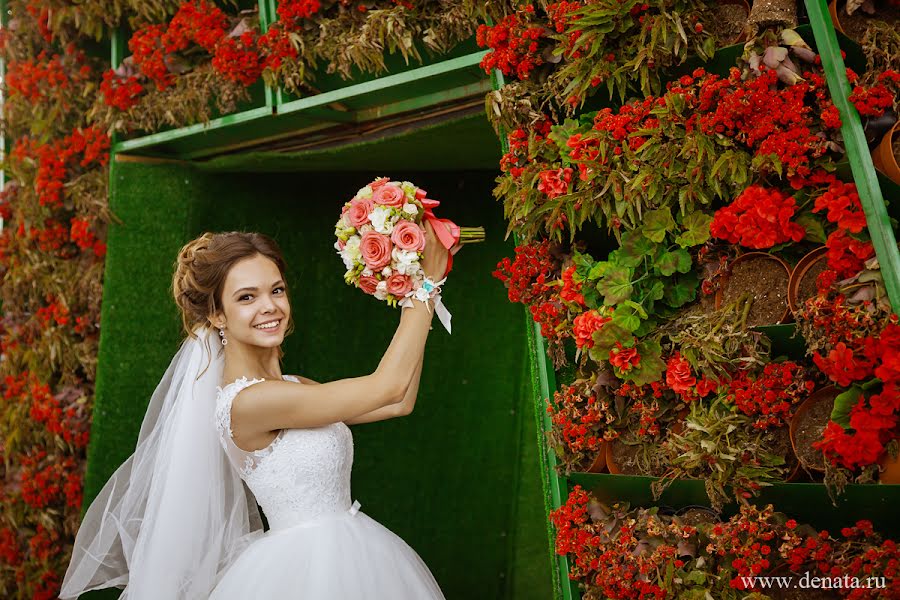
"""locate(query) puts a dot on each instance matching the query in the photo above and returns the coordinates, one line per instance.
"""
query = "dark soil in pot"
(766, 281)
(727, 23)
(808, 428)
(807, 288)
(696, 516)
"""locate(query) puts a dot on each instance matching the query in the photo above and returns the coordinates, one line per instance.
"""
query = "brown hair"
(204, 263)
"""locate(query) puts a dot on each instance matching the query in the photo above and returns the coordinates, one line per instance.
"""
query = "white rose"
(382, 220)
(367, 272)
(410, 209)
(365, 192)
(386, 272)
(365, 229)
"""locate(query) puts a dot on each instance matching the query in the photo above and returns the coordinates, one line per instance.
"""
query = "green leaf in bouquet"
(633, 249)
(678, 260)
(615, 286)
(815, 232)
(657, 223)
(695, 230)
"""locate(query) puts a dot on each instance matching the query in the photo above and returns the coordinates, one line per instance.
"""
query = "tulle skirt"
(341, 557)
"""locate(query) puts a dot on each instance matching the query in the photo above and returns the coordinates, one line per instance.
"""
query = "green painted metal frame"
(864, 175)
(307, 115)
(420, 88)
(543, 381)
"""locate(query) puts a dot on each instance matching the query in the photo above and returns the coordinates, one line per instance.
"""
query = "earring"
(222, 335)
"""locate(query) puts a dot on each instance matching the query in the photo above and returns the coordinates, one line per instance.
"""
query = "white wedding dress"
(319, 546)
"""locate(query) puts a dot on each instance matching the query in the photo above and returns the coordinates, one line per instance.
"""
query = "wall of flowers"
(694, 250)
(64, 104)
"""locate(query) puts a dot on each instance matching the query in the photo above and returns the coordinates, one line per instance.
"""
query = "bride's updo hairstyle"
(204, 263)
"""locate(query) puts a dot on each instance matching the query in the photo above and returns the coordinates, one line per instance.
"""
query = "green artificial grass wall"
(459, 478)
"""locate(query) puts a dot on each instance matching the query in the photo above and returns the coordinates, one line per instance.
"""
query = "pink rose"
(360, 209)
(341, 244)
(345, 209)
(389, 195)
(367, 283)
(399, 285)
(378, 183)
(408, 236)
(376, 250)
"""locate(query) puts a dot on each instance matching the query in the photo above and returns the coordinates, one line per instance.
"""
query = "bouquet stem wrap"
(448, 237)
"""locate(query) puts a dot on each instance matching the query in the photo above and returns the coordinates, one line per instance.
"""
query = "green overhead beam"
(877, 219)
(419, 89)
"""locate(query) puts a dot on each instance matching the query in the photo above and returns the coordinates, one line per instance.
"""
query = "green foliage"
(625, 54)
(720, 445)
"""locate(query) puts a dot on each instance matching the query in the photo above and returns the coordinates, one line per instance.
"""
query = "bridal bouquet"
(381, 238)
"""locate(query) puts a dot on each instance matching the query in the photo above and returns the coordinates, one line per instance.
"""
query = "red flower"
(847, 255)
(623, 358)
(555, 182)
(759, 218)
(120, 93)
(843, 205)
(571, 288)
(842, 366)
(678, 375)
(585, 325)
(237, 59)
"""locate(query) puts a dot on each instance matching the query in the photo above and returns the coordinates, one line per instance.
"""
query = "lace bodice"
(303, 474)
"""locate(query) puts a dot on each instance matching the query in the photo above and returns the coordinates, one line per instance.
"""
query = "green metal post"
(877, 219)
(543, 385)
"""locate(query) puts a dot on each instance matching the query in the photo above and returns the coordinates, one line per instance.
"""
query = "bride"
(176, 520)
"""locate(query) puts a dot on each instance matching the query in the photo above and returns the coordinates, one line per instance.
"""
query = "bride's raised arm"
(272, 405)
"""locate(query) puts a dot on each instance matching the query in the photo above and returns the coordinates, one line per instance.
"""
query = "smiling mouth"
(270, 326)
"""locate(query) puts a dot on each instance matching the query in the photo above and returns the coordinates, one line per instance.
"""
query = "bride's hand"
(434, 261)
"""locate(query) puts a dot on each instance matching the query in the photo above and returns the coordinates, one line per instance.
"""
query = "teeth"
(272, 325)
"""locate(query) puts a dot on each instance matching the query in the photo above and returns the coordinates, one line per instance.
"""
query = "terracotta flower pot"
(598, 465)
(835, 19)
(883, 156)
(890, 469)
(801, 416)
(799, 272)
(786, 315)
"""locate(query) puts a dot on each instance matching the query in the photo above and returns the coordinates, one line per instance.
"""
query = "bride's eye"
(279, 288)
(241, 299)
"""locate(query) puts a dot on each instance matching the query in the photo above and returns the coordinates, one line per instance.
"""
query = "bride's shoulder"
(232, 388)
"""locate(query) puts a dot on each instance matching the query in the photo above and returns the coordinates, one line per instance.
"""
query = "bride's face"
(255, 303)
